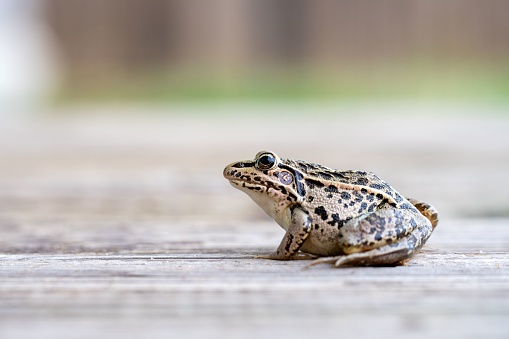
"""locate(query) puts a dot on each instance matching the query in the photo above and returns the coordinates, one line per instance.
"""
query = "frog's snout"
(230, 171)
(235, 168)
(226, 171)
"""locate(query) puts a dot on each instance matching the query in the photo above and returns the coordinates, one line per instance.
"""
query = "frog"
(341, 217)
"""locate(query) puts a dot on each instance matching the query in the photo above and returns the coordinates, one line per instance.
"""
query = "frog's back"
(348, 177)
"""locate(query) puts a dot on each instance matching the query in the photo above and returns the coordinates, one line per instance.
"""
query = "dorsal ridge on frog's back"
(330, 179)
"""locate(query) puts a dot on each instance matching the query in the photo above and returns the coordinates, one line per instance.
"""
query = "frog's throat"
(268, 199)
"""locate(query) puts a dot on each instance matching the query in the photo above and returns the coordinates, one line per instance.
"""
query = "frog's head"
(273, 183)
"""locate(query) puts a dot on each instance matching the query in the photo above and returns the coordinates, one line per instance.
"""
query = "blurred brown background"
(225, 33)
(344, 47)
(256, 49)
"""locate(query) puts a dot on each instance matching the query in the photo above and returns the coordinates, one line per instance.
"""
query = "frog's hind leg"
(387, 255)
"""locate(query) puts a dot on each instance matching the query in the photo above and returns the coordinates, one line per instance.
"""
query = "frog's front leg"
(384, 237)
(297, 233)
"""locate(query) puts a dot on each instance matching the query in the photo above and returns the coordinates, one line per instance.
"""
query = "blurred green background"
(199, 50)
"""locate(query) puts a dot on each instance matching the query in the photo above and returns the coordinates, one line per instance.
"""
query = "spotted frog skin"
(348, 217)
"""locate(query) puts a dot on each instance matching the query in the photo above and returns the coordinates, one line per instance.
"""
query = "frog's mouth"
(239, 176)
(247, 185)
(244, 181)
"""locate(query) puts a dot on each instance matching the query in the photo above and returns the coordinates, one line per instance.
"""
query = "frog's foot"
(324, 260)
(265, 256)
(383, 256)
(296, 256)
(271, 256)
(389, 255)
(304, 256)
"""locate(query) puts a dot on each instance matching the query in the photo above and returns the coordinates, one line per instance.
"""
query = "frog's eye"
(266, 161)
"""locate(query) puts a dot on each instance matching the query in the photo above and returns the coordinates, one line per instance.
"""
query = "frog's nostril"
(242, 164)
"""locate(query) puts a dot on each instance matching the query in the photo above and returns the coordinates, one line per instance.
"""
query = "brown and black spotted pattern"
(353, 192)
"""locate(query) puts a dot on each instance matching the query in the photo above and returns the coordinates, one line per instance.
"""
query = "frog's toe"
(304, 256)
(351, 259)
(324, 260)
(276, 256)
(263, 256)
(273, 256)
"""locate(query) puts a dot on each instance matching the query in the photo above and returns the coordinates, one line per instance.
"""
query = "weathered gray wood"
(132, 234)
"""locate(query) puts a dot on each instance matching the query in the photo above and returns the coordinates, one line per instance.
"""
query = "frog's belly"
(323, 243)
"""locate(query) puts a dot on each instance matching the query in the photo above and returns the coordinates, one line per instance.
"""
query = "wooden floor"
(122, 226)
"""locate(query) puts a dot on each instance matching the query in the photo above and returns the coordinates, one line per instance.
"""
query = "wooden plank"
(456, 286)
(120, 241)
